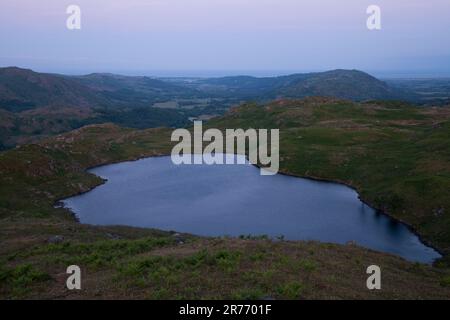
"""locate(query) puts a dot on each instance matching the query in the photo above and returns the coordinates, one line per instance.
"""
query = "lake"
(234, 200)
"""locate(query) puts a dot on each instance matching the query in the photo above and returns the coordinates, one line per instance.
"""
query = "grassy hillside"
(23, 89)
(134, 92)
(35, 105)
(396, 155)
(32, 125)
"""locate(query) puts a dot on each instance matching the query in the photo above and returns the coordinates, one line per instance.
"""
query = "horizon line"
(218, 73)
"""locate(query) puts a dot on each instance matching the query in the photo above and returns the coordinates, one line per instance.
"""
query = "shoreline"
(59, 202)
(384, 212)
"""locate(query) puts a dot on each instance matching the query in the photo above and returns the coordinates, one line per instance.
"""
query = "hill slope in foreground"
(398, 157)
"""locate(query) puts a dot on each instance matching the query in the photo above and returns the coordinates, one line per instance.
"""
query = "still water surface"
(236, 200)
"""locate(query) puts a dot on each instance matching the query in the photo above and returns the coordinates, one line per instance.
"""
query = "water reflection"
(235, 200)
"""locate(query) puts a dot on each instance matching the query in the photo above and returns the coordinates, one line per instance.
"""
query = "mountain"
(134, 91)
(35, 105)
(346, 84)
(23, 89)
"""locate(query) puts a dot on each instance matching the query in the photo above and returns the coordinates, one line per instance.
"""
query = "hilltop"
(23, 89)
(345, 84)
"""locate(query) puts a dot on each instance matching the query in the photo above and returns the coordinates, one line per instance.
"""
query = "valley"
(395, 155)
(37, 105)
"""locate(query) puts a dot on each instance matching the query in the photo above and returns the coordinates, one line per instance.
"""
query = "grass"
(307, 265)
(291, 290)
(20, 279)
(97, 254)
(445, 281)
(396, 156)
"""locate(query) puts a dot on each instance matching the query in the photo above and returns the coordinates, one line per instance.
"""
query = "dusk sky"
(215, 37)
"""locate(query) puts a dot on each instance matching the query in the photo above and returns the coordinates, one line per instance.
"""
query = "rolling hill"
(134, 91)
(346, 84)
(23, 89)
(35, 105)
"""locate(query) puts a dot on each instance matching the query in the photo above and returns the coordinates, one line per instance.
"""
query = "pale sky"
(193, 37)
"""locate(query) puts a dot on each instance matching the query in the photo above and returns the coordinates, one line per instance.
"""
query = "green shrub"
(292, 290)
(445, 281)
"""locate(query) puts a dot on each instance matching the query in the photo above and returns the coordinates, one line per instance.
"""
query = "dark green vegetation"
(22, 89)
(428, 91)
(346, 84)
(396, 155)
(35, 105)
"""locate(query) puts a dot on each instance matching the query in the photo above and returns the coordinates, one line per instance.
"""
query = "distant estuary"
(234, 200)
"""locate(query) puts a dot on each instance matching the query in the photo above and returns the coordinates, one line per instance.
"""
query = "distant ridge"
(346, 84)
(35, 105)
(22, 89)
